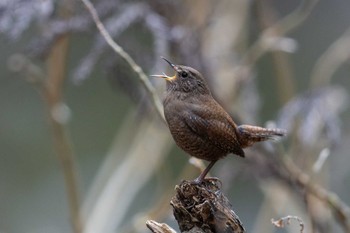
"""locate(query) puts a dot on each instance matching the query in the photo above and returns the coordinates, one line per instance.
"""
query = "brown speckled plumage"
(199, 125)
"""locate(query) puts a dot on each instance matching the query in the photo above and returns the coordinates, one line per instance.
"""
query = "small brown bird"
(199, 125)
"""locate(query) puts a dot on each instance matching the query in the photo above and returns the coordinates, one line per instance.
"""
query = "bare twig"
(330, 61)
(115, 25)
(282, 222)
(112, 195)
(156, 227)
(341, 210)
(118, 49)
(58, 116)
(52, 93)
(272, 34)
(50, 87)
(284, 72)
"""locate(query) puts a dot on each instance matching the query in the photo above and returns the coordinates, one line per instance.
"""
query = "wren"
(199, 125)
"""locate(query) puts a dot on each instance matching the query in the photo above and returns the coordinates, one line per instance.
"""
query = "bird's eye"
(184, 74)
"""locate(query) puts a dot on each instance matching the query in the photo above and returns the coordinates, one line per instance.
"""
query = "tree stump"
(202, 208)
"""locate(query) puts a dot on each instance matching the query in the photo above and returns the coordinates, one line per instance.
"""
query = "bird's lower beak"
(166, 77)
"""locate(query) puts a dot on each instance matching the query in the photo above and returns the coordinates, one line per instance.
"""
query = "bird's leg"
(201, 177)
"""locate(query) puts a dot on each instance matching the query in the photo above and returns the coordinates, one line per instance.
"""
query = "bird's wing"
(217, 128)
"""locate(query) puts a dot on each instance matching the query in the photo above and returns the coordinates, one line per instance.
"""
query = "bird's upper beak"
(166, 77)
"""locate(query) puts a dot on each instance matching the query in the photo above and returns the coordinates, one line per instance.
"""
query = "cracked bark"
(200, 208)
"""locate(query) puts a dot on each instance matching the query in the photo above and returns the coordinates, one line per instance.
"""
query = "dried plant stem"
(156, 227)
(119, 50)
(286, 221)
(341, 210)
(281, 28)
(329, 62)
(49, 84)
(52, 93)
(284, 72)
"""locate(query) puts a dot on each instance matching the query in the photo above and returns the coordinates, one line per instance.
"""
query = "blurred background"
(83, 149)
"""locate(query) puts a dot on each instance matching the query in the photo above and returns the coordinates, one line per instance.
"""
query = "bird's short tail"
(248, 134)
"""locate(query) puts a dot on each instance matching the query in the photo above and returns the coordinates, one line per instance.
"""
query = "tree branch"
(52, 93)
(341, 210)
(119, 50)
(270, 35)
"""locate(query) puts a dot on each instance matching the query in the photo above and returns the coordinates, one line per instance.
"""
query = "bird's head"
(185, 79)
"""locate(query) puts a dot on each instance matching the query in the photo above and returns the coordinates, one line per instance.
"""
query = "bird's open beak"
(170, 63)
(166, 77)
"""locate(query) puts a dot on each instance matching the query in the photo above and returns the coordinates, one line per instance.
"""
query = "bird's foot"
(213, 180)
(201, 177)
(199, 180)
(211, 184)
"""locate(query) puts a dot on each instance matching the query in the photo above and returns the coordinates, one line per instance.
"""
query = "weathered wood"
(204, 208)
(201, 208)
(156, 227)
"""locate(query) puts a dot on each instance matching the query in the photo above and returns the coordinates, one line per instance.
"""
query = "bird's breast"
(185, 137)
